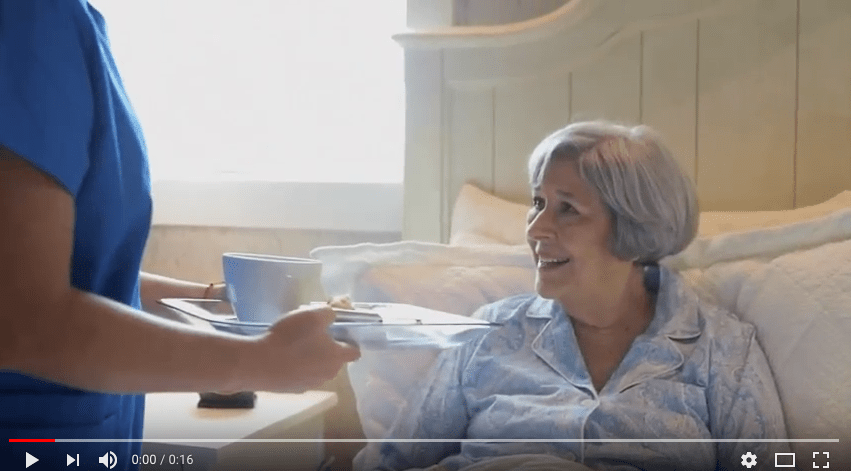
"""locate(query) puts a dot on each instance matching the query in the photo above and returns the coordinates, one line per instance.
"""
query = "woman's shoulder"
(721, 326)
(719, 320)
(46, 65)
(714, 321)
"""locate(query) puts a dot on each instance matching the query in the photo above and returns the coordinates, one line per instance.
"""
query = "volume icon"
(108, 459)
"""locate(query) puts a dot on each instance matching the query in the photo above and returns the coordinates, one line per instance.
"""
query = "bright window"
(277, 90)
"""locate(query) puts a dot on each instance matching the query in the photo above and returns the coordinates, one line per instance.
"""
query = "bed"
(754, 97)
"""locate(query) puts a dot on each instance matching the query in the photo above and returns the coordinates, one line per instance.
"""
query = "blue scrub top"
(63, 108)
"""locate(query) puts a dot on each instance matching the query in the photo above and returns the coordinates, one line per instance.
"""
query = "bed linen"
(788, 273)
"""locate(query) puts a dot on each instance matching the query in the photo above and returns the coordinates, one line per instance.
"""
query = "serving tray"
(372, 326)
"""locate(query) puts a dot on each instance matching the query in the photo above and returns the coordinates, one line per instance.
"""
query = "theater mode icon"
(784, 460)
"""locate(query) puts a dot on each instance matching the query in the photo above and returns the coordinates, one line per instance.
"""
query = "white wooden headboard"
(753, 96)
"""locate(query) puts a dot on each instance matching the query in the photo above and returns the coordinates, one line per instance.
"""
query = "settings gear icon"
(749, 460)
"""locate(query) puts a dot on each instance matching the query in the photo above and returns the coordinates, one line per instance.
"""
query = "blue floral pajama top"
(697, 372)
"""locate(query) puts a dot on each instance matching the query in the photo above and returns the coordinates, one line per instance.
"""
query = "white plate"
(401, 325)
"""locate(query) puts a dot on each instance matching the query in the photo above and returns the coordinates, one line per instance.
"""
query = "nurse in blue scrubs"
(76, 350)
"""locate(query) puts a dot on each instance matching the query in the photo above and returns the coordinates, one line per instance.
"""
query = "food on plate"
(342, 301)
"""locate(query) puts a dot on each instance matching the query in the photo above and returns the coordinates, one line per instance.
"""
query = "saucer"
(200, 309)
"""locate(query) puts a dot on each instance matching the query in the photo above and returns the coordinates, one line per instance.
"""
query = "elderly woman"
(611, 347)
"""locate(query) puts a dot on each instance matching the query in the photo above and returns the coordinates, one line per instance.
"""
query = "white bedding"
(793, 282)
(789, 275)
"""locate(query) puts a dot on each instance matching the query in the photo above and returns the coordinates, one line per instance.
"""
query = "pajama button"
(589, 403)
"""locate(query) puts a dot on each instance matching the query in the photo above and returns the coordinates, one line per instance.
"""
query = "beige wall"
(194, 253)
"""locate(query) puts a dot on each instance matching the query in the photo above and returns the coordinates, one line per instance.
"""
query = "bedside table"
(175, 426)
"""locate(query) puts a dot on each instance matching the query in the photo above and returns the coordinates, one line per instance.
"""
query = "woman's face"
(568, 228)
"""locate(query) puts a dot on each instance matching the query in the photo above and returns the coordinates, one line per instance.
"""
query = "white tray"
(377, 326)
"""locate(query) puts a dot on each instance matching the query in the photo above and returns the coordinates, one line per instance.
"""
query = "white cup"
(263, 287)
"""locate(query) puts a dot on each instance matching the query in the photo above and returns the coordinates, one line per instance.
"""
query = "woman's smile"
(551, 263)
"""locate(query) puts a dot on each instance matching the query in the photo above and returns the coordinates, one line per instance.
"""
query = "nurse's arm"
(51, 330)
(154, 287)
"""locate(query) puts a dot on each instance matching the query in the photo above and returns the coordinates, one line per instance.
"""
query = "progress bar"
(428, 440)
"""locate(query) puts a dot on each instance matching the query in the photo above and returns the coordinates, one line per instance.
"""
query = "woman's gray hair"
(651, 201)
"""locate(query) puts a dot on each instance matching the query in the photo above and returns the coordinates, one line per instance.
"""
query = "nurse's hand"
(297, 353)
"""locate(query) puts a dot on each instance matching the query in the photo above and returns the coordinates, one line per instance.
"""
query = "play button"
(31, 460)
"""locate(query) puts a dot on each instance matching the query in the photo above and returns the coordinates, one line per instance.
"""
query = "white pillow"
(793, 282)
(458, 280)
(801, 305)
(769, 234)
(482, 218)
(719, 222)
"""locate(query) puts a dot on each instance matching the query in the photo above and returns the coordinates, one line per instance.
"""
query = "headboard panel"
(753, 96)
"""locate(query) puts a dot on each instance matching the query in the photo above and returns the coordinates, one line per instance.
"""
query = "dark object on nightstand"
(240, 400)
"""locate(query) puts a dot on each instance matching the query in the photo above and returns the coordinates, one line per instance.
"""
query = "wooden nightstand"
(173, 418)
